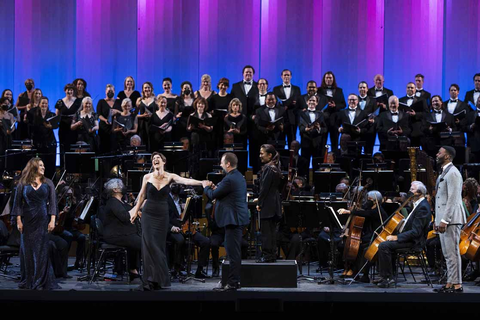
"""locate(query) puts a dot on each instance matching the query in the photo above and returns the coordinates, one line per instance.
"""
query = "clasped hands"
(207, 183)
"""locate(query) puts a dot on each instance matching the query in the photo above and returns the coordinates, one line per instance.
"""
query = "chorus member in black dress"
(336, 102)
(204, 132)
(21, 105)
(35, 211)
(43, 138)
(236, 122)
(205, 90)
(130, 93)
(6, 129)
(106, 109)
(313, 131)
(288, 94)
(183, 109)
(269, 202)
(117, 227)
(219, 102)
(155, 221)
(146, 107)
(7, 93)
(125, 125)
(85, 124)
(67, 108)
(161, 124)
(167, 93)
(30, 110)
(80, 90)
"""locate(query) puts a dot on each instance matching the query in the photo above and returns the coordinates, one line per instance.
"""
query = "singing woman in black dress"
(160, 125)
(183, 109)
(130, 92)
(167, 93)
(146, 106)
(236, 122)
(43, 137)
(67, 108)
(155, 222)
(107, 108)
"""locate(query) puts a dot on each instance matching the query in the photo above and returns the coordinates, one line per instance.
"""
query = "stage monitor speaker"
(281, 274)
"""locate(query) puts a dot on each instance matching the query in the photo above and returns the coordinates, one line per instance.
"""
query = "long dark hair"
(30, 172)
(274, 163)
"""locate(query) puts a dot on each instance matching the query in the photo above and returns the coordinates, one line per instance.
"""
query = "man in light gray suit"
(449, 217)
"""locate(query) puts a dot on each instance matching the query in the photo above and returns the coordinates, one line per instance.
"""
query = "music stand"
(355, 148)
(382, 179)
(79, 162)
(16, 159)
(176, 159)
(327, 181)
(242, 156)
(206, 166)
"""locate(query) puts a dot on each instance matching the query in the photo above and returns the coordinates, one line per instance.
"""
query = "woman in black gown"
(6, 129)
(160, 125)
(167, 93)
(80, 91)
(35, 208)
(67, 108)
(269, 202)
(236, 122)
(85, 124)
(130, 93)
(106, 109)
(183, 109)
(219, 108)
(146, 107)
(155, 222)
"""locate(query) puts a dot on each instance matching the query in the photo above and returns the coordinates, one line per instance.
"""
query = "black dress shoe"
(377, 281)
(215, 273)
(201, 275)
(227, 287)
(390, 283)
(443, 289)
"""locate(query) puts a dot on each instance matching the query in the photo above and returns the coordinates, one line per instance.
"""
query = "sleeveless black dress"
(155, 222)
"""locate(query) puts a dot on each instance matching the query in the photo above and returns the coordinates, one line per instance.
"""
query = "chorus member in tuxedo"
(231, 213)
(146, 107)
(155, 220)
(130, 93)
(161, 125)
(125, 125)
(302, 101)
(167, 93)
(254, 145)
(6, 122)
(30, 110)
(269, 202)
(183, 109)
(268, 113)
(288, 94)
(416, 118)
(449, 217)
(356, 117)
(392, 123)
(336, 102)
(246, 90)
(473, 132)
(236, 122)
(378, 89)
(107, 109)
(455, 106)
(205, 90)
(80, 90)
(21, 105)
(472, 95)
(66, 108)
(117, 228)
(419, 91)
(313, 131)
(175, 235)
(221, 101)
(368, 105)
(85, 124)
(412, 235)
(432, 134)
(203, 131)
(35, 210)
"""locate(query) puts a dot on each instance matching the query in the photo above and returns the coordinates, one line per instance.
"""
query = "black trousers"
(199, 239)
(58, 250)
(75, 235)
(386, 252)
(133, 243)
(269, 236)
(216, 240)
(233, 246)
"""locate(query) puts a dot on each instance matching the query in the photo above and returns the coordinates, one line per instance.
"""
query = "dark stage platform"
(409, 298)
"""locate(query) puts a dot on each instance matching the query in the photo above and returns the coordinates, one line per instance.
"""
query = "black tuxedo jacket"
(360, 115)
(370, 104)
(384, 123)
(340, 104)
(269, 195)
(231, 207)
(425, 95)
(469, 97)
(291, 108)
(238, 91)
(416, 121)
(312, 138)
(432, 138)
(371, 92)
(416, 228)
(473, 134)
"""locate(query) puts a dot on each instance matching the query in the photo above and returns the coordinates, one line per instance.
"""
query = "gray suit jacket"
(448, 200)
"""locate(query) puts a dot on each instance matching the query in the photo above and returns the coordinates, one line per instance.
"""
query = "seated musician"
(412, 234)
(175, 235)
(117, 228)
(374, 216)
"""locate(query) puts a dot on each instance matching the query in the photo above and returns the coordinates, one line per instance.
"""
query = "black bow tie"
(271, 108)
(311, 111)
(420, 90)
(394, 113)
(362, 99)
(352, 110)
(287, 86)
(378, 89)
(438, 111)
(247, 82)
(409, 97)
(476, 90)
(453, 101)
(263, 95)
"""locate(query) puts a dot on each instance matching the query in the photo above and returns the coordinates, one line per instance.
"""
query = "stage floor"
(200, 297)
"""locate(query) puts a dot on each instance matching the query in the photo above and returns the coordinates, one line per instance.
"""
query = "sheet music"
(87, 207)
(339, 224)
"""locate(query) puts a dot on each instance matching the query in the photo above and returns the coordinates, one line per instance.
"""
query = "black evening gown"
(155, 222)
(35, 207)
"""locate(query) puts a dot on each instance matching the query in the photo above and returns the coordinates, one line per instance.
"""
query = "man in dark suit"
(311, 91)
(420, 92)
(336, 102)
(472, 95)
(259, 98)
(473, 132)
(455, 106)
(412, 234)
(392, 123)
(288, 94)
(246, 90)
(379, 90)
(231, 212)
(264, 118)
(416, 118)
(432, 133)
(368, 105)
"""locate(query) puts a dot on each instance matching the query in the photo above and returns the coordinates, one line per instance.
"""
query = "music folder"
(418, 106)
(382, 99)
(438, 126)
(54, 121)
(350, 128)
(266, 123)
(207, 121)
(460, 115)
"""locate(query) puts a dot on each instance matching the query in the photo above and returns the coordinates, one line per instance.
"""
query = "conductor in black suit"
(288, 94)
(231, 212)
(473, 95)
(413, 234)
